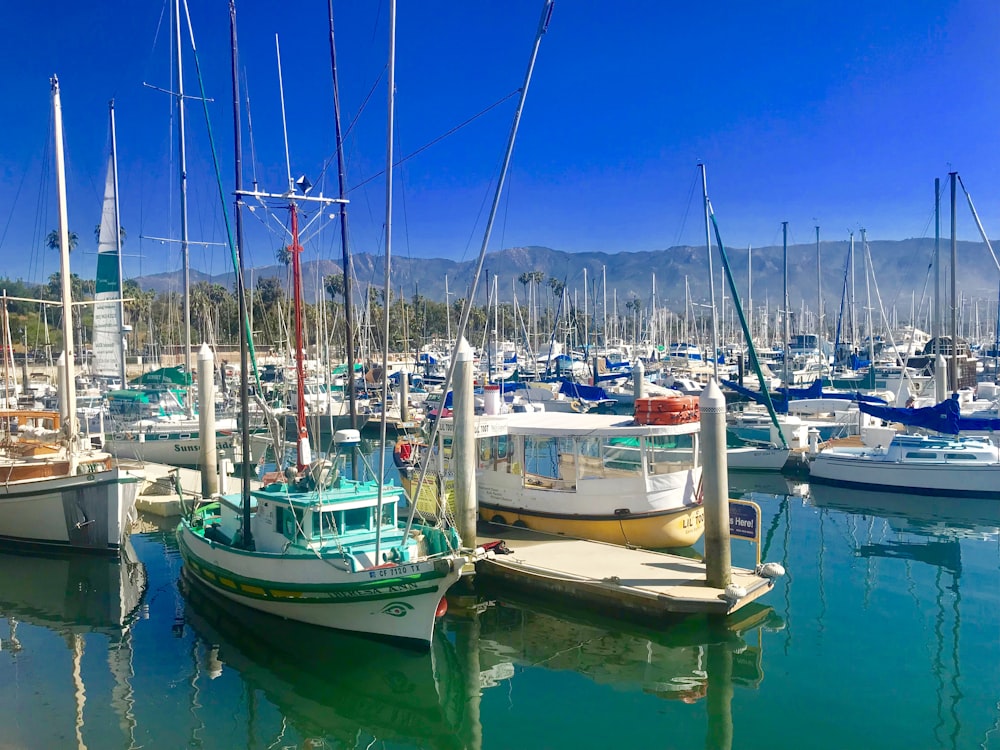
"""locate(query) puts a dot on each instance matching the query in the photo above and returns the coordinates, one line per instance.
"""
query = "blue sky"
(840, 114)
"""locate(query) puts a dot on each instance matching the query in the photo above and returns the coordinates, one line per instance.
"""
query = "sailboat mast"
(819, 302)
(345, 247)
(68, 400)
(304, 457)
(246, 329)
(784, 303)
(118, 240)
(182, 155)
(711, 275)
(953, 365)
(604, 291)
(391, 115)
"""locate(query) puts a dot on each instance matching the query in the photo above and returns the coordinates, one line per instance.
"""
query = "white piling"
(639, 380)
(404, 395)
(464, 447)
(940, 378)
(715, 483)
(206, 422)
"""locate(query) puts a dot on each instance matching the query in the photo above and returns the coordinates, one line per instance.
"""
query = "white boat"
(591, 476)
(916, 464)
(54, 491)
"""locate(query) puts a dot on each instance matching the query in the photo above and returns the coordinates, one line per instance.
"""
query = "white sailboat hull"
(980, 480)
(399, 601)
(174, 449)
(86, 511)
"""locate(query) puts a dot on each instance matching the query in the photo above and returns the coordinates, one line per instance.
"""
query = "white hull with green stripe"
(314, 558)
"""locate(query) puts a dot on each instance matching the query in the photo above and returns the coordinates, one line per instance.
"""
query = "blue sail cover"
(813, 391)
(943, 417)
(583, 392)
(979, 424)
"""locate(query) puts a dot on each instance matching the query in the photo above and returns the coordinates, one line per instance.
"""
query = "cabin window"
(285, 521)
(588, 458)
(389, 514)
(959, 457)
(541, 456)
(666, 454)
(357, 519)
(622, 456)
(492, 452)
(325, 523)
(921, 454)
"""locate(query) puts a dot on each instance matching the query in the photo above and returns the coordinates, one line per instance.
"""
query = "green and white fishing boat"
(324, 553)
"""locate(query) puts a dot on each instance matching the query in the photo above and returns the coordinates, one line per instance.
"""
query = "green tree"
(52, 240)
(334, 285)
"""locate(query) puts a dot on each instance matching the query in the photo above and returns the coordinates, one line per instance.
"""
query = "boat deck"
(618, 579)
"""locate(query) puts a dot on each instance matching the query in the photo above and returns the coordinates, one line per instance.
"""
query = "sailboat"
(312, 545)
(55, 492)
(149, 423)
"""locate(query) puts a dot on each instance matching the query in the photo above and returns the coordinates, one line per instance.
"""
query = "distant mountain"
(902, 269)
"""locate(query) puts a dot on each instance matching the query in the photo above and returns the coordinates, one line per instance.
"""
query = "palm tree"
(52, 240)
(284, 255)
(334, 284)
(122, 234)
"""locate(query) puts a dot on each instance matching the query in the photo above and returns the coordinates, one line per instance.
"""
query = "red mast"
(304, 455)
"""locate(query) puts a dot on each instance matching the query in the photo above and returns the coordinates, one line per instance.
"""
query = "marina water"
(885, 632)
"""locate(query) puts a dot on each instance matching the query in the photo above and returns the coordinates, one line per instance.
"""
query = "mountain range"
(902, 273)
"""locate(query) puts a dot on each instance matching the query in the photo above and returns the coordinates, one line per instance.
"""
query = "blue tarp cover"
(943, 417)
(583, 392)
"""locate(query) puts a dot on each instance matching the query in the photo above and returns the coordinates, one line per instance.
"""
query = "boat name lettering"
(197, 447)
(396, 588)
(393, 572)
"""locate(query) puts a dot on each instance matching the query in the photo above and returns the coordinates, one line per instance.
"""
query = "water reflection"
(925, 515)
(88, 602)
(331, 687)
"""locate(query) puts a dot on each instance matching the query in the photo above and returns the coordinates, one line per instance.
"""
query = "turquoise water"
(885, 633)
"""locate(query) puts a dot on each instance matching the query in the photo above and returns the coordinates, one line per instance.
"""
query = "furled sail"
(108, 342)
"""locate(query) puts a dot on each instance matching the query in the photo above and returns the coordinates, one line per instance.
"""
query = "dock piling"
(715, 482)
(206, 422)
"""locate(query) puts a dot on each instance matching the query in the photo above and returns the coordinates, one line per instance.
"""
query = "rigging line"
(364, 103)
(245, 324)
(687, 209)
(440, 138)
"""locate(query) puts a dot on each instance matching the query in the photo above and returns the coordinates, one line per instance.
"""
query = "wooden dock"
(624, 580)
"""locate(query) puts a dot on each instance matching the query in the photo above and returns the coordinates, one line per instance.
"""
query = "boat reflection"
(668, 661)
(334, 688)
(759, 482)
(72, 592)
(73, 596)
(925, 515)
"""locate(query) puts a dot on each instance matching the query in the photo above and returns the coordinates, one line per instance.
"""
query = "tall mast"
(604, 291)
(68, 400)
(118, 239)
(953, 368)
(819, 300)
(344, 245)
(246, 329)
(586, 329)
(750, 288)
(936, 317)
(786, 334)
(185, 252)
(390, 123)
(711, 275)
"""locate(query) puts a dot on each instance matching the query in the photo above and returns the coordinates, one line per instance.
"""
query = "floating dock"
(158, 495)
(636, 582)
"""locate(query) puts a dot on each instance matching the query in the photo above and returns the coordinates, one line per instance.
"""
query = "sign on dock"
(744, 522)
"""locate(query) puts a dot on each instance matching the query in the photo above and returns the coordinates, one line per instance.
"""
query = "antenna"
(284, 122)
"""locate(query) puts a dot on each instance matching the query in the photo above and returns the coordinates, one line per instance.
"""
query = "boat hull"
(173, 449)
(399, 601)
(86, 511)
(674, 528)
(908, 477)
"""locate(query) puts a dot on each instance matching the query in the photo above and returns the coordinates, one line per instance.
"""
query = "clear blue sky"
(840, 114)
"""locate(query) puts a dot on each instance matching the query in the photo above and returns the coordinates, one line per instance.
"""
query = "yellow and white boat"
(591, 476)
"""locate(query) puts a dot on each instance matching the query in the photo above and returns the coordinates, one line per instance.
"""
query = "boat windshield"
(666, 454)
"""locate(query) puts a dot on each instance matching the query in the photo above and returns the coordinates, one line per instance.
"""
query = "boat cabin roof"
(564, 424)
(348, 494)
